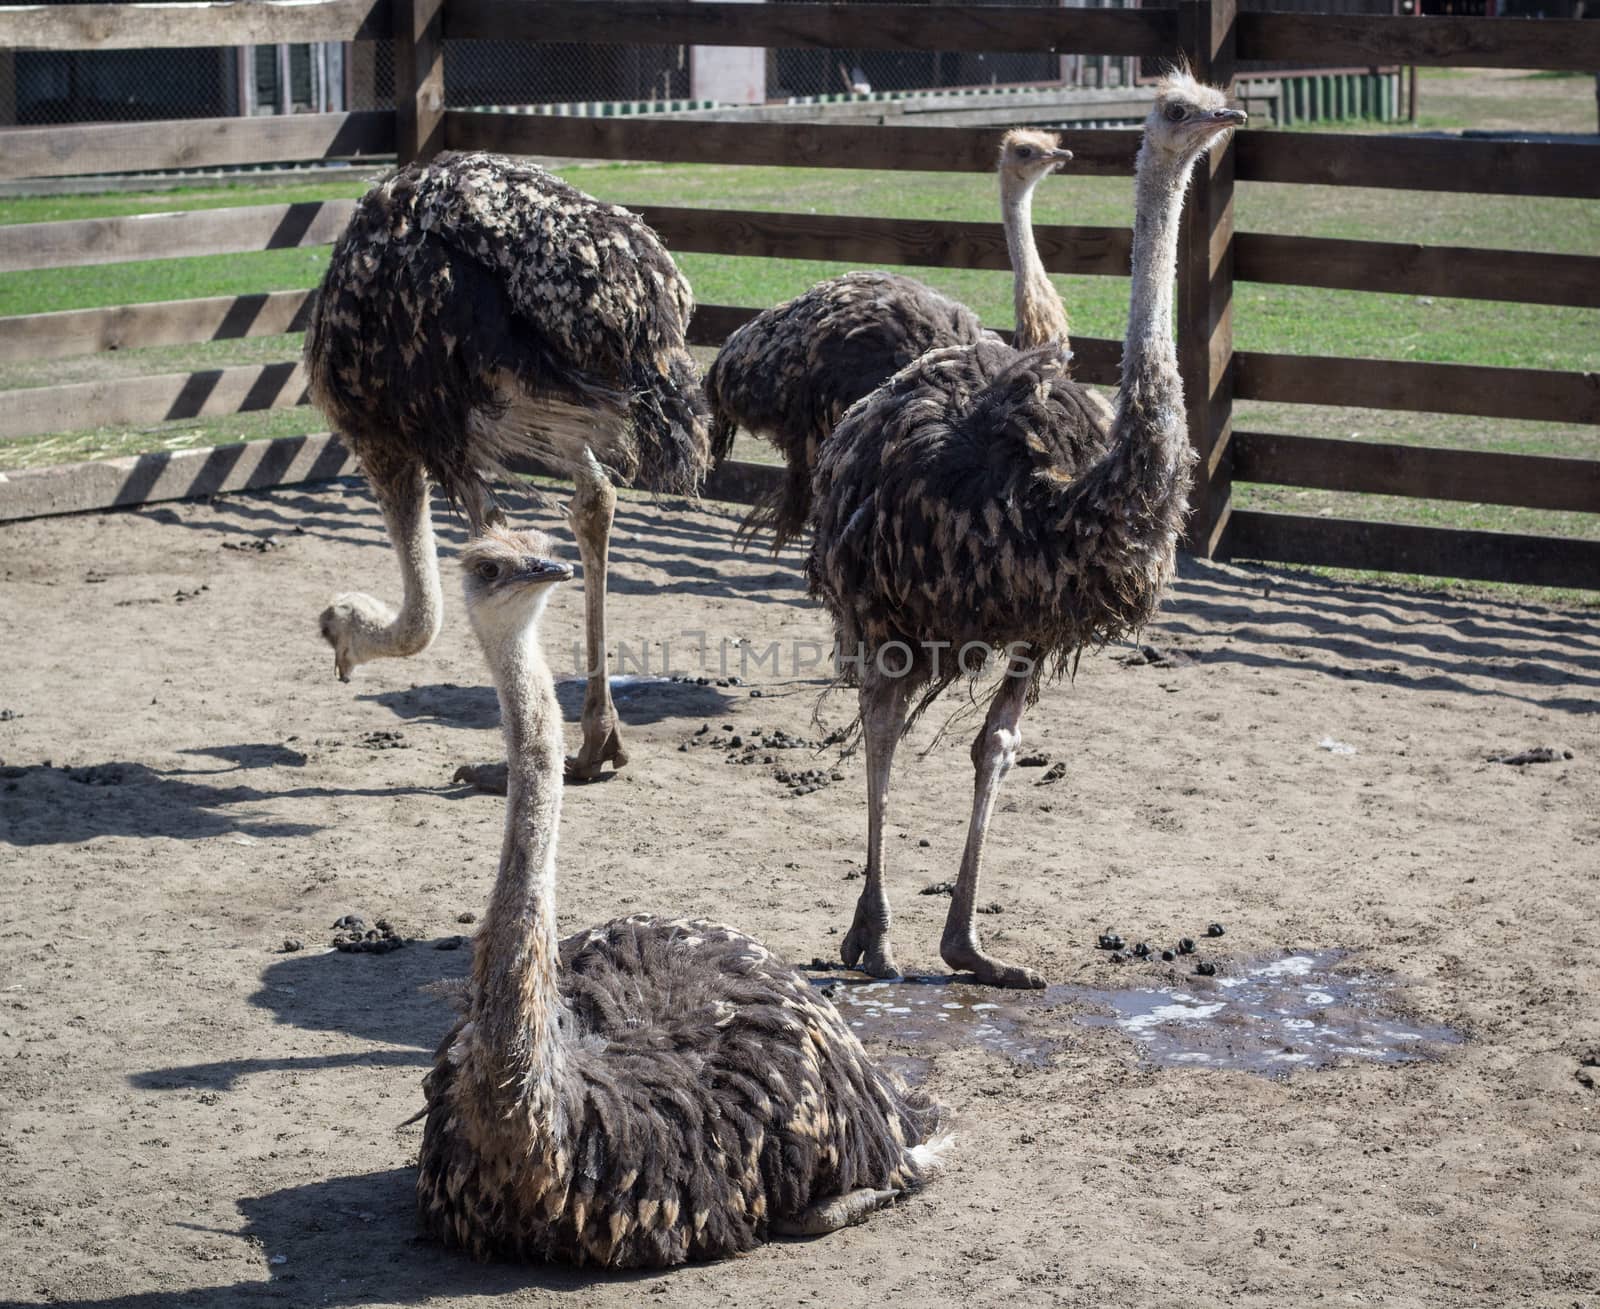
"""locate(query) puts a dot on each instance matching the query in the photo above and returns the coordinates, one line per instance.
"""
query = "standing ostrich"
(792, 370)
(968, 506)
(652, 1090)
(477, 309)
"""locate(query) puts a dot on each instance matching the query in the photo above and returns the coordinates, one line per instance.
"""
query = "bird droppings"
(291, 944)
(259, 545)
(357, 938)
(388, 739)
(1215, 929)
(1539, 754)
(1052, 774)
(1293, 1012)
(757, 746)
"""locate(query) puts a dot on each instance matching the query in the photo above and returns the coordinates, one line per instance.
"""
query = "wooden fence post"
(1205, 290)
(418, 79)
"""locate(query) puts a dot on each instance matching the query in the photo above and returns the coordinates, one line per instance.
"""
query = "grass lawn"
(1296, 320)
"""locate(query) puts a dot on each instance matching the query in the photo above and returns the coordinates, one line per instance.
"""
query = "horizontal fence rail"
(178, 235)
(1423, 472)
(139, 401)
(1472, 389)
(193, 143)
(1563, 45)
(164, 322)
(1325, 159)
(1404, 548)
(174, 26)
(932, 27)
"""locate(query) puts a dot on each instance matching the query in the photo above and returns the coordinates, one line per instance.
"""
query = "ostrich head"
(1188, 116)
(1026, 155)
(506, 578)
(357, 628)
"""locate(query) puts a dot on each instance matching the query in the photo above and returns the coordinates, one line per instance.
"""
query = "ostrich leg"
(993, 753)
(883, 719)
(593, 505)
(361, 628)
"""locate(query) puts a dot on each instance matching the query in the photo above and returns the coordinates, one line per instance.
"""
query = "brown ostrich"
(478, 309)
(650, 1091)
(969, 506)
(791, 371)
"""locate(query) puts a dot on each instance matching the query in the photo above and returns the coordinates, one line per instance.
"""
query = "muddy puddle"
(1269, 1016)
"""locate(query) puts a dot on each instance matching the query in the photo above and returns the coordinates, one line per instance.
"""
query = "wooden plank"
(168, 26)
(1094, 359)
(1534, 393)
(141, 401)
(1409, 269)
(931, 27)
(192, 143)
(1381, 468)
(1205, 289)
(1296, 39)
(171, 235)
(848, 239)
(418, 78)
(1419, 163)
(167, 322)
(1402, 548)
(172, 475)
(796, 145)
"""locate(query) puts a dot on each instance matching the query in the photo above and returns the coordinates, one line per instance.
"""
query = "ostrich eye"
(1024, 152)
(1176, 113)
(489, 570)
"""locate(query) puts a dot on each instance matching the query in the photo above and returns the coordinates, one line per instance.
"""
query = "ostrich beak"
(1060, 157)
(544, 570)
(1229, 117)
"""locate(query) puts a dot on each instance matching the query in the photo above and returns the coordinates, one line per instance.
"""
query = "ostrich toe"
(830, 1215)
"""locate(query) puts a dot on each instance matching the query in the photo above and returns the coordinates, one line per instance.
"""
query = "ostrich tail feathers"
(722, 432)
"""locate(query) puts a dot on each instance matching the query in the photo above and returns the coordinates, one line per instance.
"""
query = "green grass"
(1294, 320)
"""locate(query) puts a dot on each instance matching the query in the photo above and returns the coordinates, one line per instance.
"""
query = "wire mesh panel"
(512, 73)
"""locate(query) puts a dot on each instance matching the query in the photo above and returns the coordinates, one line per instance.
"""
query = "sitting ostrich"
(652, 1090)
(477, 309)
(792, 370)
(967, 506)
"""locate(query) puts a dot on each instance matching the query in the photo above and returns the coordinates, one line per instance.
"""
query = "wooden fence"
(1210, 33)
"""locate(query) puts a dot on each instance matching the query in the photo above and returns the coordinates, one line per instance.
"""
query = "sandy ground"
(189, 1116)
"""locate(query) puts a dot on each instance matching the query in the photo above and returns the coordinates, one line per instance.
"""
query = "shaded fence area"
(1212, 34)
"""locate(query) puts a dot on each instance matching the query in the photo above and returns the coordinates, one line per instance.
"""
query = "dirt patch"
(194, 1115)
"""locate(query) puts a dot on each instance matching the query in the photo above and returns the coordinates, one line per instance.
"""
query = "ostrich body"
(478, 309)
(649, 1091)
(971, 504)
(790, 373)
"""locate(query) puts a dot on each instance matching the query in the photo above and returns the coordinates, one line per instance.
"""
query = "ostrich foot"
(490, 778)
(967, 957)
(598, 749)
(866, 946)
(830, 1215)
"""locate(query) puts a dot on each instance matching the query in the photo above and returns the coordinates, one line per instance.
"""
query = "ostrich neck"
(1040, 315)
(515, 964)
(1149, 354)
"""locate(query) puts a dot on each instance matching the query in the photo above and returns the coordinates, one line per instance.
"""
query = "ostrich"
(792, 370)
(652, 1090)
(968, 506)
(476, 309)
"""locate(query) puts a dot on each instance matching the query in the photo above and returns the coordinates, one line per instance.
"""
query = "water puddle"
(1263, 1016)
(1268, 1017)
(937, 1014)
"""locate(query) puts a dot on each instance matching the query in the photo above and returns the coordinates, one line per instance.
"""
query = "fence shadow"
(1422, 641)
(642, 698)
(48, 805)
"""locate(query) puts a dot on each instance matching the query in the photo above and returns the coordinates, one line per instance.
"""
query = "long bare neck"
(1132, 502)
(516, 999)
(1149, 349)
(1040, 315)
